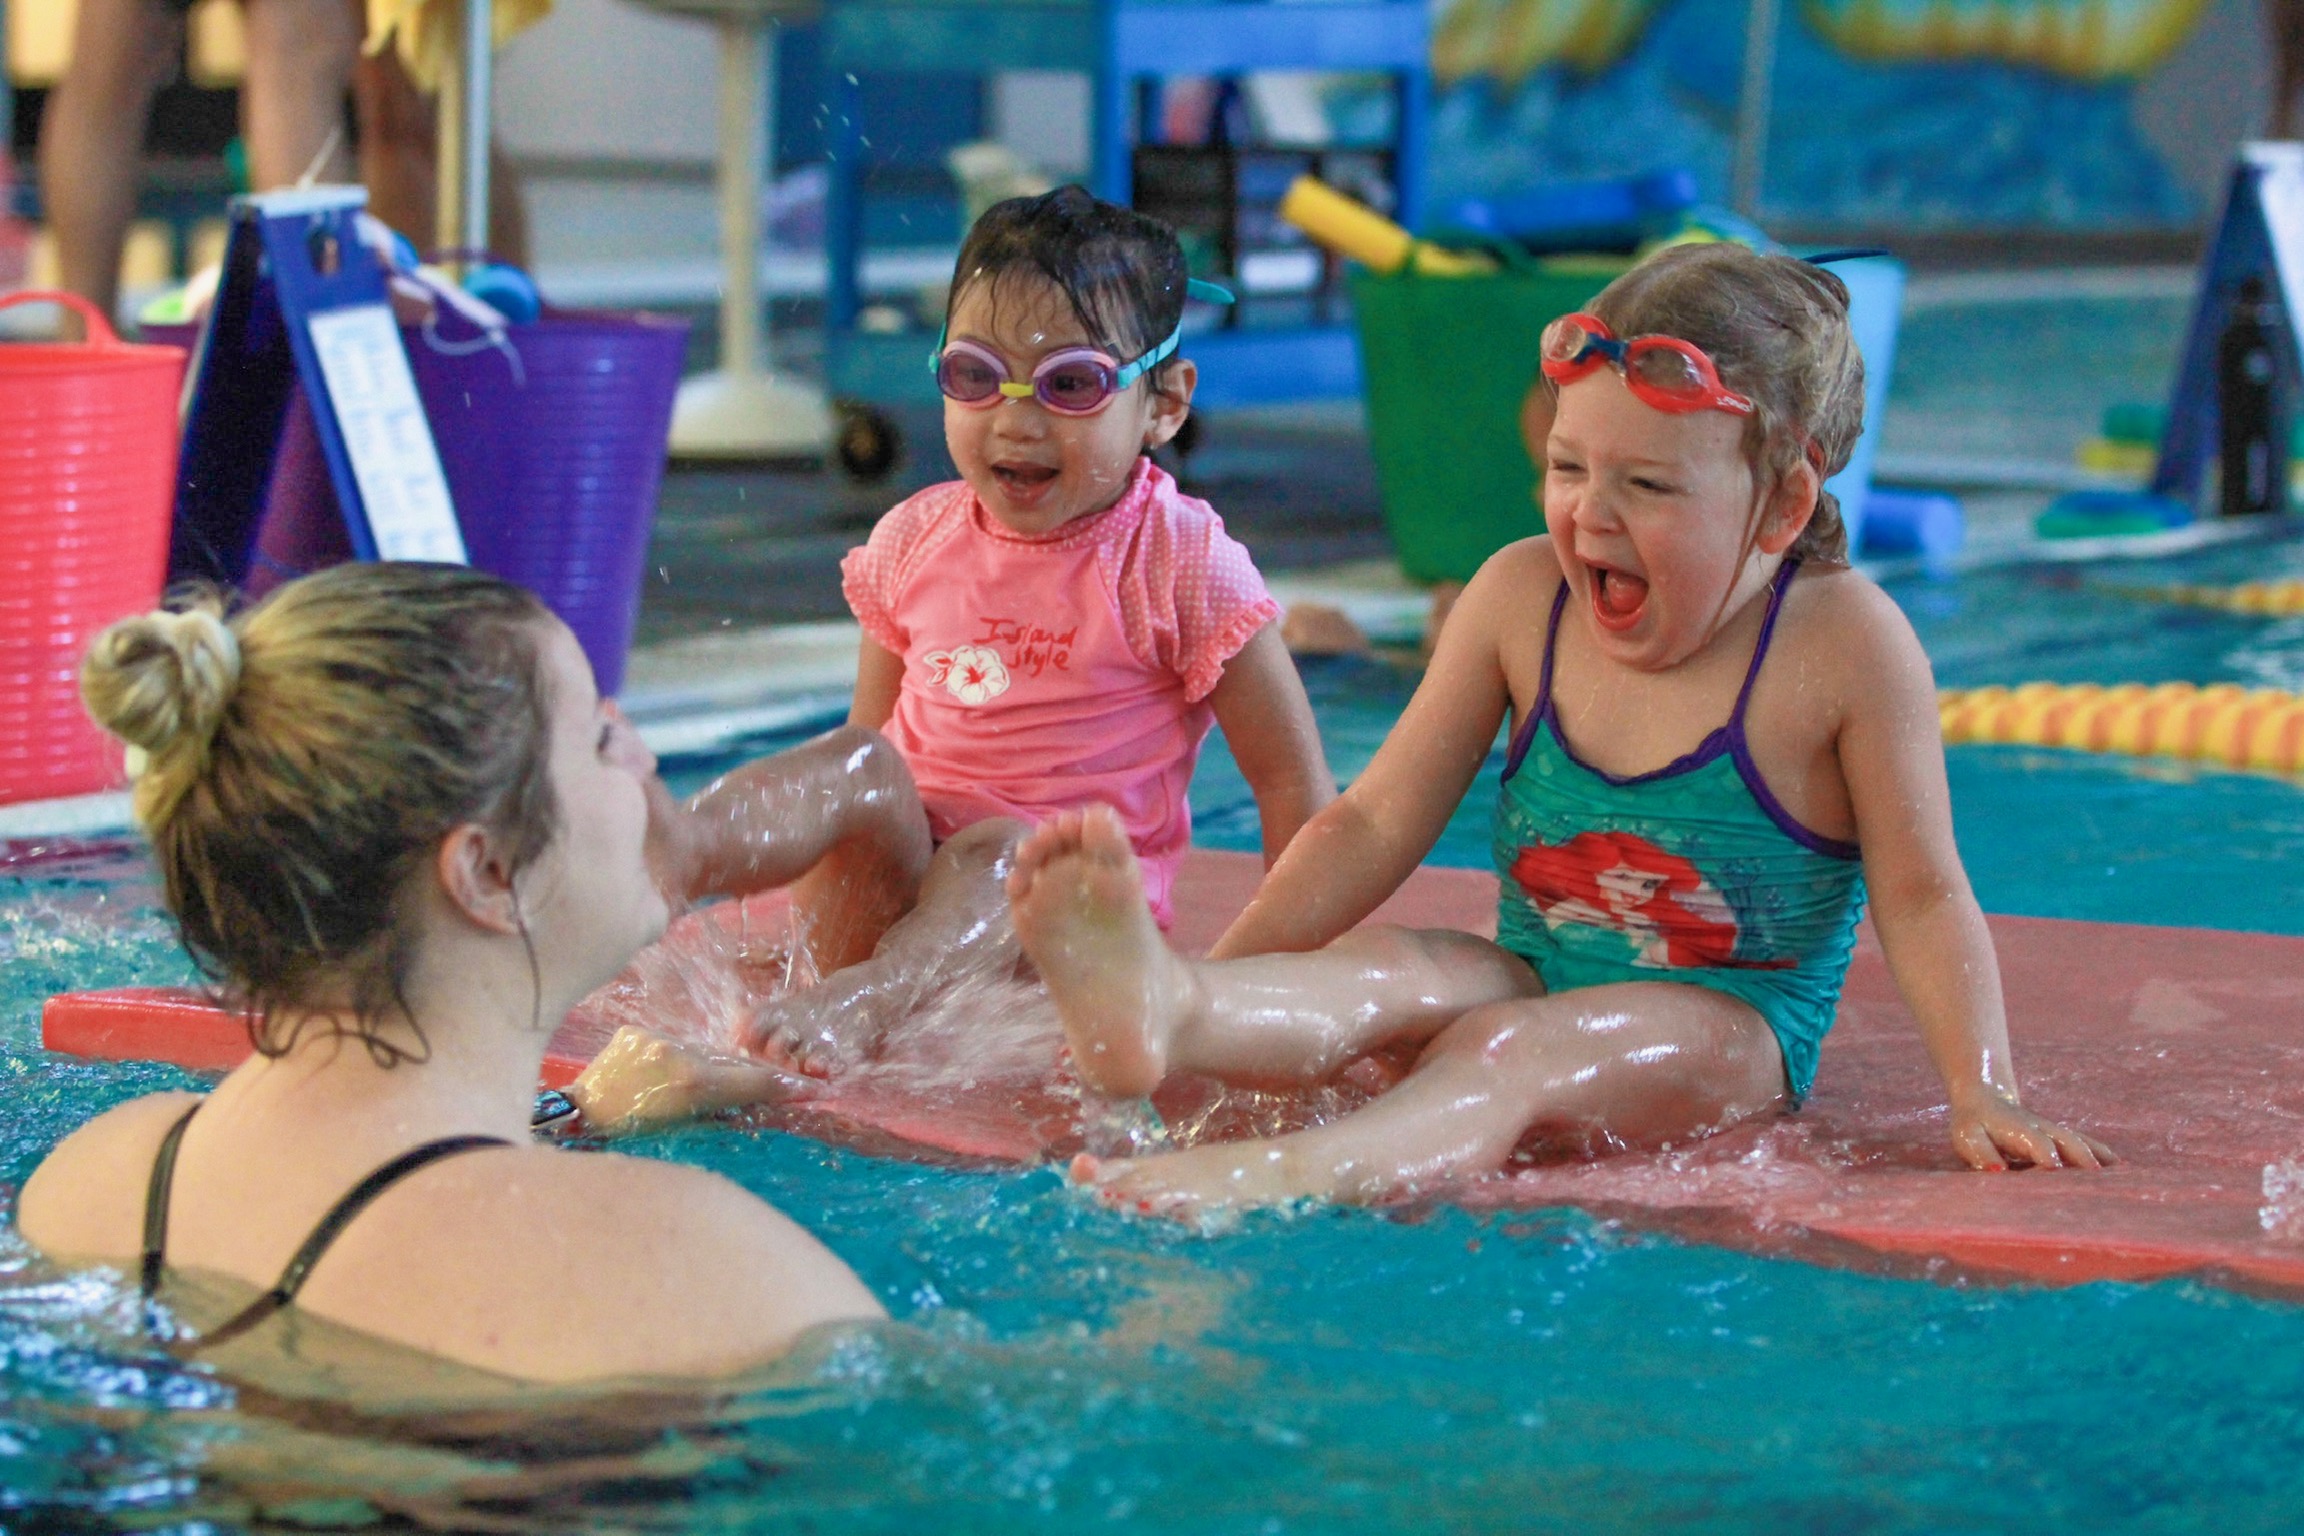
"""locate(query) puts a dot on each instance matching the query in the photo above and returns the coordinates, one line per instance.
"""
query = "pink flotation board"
(2182, 1048)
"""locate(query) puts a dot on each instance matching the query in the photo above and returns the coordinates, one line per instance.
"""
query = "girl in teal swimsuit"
(1724, 739)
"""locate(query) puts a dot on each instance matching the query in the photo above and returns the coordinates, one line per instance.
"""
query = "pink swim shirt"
(1049, 673)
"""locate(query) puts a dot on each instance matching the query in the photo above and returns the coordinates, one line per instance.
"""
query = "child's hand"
(1990, 1131)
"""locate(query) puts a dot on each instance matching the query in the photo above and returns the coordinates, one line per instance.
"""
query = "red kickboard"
(2182, 1048)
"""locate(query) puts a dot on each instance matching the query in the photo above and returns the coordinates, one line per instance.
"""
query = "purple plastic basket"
(554, 467)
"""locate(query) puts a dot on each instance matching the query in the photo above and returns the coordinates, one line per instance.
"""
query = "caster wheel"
(866, 442)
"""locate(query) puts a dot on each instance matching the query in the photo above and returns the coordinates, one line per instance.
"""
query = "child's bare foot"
(824, 1030)
(1196, 1185)
(642, 1080)
(1080, 911)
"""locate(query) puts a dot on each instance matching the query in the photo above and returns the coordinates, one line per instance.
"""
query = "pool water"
(1055, 1367)
(2023, 375)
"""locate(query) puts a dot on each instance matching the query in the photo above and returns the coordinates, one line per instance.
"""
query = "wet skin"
(1666, 547)
(884, 924)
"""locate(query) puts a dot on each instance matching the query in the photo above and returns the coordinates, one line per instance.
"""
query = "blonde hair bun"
(161, 681)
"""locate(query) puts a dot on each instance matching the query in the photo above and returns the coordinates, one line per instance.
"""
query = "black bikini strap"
(156, 1204)
(332, 1225)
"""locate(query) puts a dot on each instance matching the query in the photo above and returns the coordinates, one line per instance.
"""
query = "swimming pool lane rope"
(2261, 728)
(2271, 599)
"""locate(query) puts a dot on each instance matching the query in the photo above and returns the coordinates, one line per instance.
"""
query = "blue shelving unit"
(1122, 46)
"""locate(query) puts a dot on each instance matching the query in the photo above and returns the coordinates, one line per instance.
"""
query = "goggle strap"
(1208, 293)
(1147, 362)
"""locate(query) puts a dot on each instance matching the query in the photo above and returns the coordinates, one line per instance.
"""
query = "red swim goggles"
(1661, 371)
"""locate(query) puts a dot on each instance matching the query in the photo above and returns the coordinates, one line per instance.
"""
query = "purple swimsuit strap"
(1543, 704)
(1731, 734)
(1781, 584)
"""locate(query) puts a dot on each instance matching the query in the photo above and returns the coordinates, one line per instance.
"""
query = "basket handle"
(100, 332)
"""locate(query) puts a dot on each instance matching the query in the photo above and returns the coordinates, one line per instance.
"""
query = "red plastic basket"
(87, 488)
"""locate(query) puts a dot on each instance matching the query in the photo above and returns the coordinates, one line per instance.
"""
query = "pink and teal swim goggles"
(1071, 381)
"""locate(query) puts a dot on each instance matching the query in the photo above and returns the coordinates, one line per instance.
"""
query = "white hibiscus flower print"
(972, 673)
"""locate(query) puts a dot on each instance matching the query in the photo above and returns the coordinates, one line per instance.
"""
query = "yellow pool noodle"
(1356, 230)
(2261, 728)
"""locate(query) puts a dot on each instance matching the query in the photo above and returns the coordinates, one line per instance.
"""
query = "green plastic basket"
(1445, 363)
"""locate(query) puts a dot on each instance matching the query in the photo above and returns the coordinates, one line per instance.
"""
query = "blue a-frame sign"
(2260, 235)
(303, 300)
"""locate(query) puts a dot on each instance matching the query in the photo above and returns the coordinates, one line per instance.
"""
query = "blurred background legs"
(399, 158)
(299, 59)
(92, 137)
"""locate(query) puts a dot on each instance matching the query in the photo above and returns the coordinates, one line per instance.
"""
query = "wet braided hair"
(1777, 329)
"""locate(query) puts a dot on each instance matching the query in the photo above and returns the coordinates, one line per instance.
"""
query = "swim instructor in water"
(398, 824)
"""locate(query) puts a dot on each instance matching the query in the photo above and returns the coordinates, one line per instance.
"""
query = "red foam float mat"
(2183, 1048)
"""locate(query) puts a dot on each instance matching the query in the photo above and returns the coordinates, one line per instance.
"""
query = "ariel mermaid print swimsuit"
(1694, 873)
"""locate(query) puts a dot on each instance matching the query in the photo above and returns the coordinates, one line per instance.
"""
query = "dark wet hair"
(1122, 272)
(302, 759)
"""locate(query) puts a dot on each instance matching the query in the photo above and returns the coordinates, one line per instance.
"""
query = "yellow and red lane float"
(2224, 723)
(2270, 598)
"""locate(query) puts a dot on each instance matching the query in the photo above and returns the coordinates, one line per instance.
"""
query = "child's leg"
(1606, 1067)
(1133, 1010)
(960, 923)
(841, 810)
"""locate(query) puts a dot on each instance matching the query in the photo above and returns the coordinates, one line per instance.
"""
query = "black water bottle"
(2255, 428)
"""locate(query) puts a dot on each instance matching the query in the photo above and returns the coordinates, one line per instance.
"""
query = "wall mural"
(1908, 112)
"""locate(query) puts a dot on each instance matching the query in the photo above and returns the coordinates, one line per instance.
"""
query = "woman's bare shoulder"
(607, 1201)
(86, 1199)
(557, 1265)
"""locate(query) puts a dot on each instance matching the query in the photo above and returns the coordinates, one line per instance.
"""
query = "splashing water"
(2282, 1214)
(1058, 1367)
(77, 915)
(979, 1035)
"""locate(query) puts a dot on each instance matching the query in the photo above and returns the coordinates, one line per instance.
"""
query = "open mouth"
(1023, 482)
(1618, 597)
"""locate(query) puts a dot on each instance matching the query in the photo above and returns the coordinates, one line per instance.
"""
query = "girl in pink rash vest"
(1040, 671)
(1057, 628)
